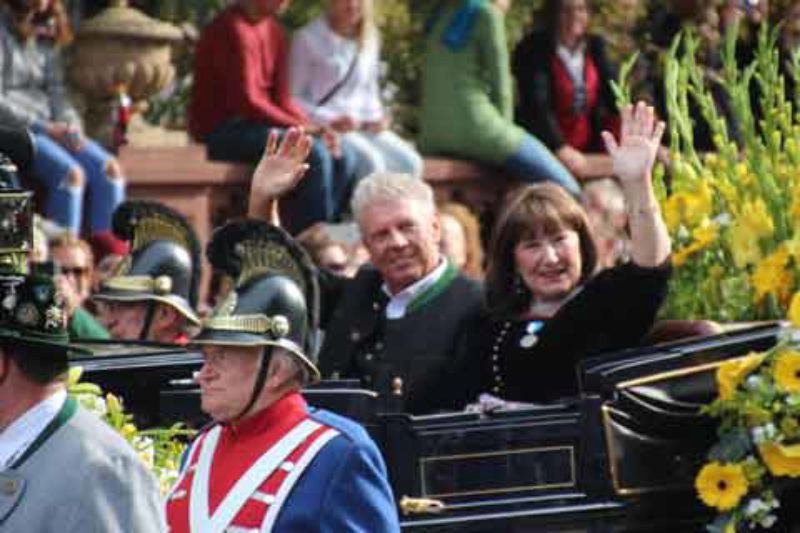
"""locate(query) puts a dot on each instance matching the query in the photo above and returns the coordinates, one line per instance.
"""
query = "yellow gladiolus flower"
(794, 310)
(772, 277)
(721, 486)
(673, 208)
(733, 371)
(755, 216)
(787, 371)
(795, 208)
(744, 245)
(741, 170)
(704, 236)
(112, 403)
(691, 206)
(781, 460)
(128, 430)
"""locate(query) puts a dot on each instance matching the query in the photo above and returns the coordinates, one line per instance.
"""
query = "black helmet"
(275, 299)
(164, 262)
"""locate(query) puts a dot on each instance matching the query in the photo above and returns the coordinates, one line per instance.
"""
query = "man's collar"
(399, 303)
(16, 438)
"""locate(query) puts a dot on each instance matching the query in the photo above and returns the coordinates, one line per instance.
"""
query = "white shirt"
(16, 438)
(398, 303)
(319, 59)
(574, 61)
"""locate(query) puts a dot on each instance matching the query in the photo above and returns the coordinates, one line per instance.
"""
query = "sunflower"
(787, 371)
(781, 460)
(732, 372)
(721, 486)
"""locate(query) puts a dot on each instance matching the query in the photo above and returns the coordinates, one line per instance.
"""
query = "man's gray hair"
(383, 186)
(297, 371)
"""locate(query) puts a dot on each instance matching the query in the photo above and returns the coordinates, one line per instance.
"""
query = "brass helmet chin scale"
(275, 298)
(163, 264)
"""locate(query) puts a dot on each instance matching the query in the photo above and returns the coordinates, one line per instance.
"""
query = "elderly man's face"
(123, 320)
(227, 379)
(402, 237)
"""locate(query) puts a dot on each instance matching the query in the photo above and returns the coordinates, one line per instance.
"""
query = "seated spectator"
(335, 74)
(563, 76)
(467, 95)
(74, 265)
(547, 308)
(67, 164)
(461, 238)
(398, 326)
(326, 252)
(241, 92)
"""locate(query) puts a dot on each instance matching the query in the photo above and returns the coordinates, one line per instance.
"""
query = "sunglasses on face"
(74, 271)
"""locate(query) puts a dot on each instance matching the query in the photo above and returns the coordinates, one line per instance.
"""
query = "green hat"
(33, 315)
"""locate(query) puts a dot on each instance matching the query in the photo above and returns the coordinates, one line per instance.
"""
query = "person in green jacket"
(467, 101)
(74, 262)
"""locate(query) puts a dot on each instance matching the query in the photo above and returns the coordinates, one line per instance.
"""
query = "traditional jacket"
(79, 475)
(409, 361)
(287, 468)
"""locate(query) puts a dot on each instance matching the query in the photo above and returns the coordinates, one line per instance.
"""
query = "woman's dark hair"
(531, 211)
(547, 17)
(53, 23)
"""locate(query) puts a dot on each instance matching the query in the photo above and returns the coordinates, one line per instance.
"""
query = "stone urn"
(122, 49)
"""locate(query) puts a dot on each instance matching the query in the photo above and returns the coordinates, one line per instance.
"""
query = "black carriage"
(621, 456)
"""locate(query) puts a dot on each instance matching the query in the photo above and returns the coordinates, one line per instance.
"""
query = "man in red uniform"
(152, 293)
(270, 463)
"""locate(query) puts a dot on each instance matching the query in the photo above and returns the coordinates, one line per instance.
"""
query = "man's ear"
(436, 227)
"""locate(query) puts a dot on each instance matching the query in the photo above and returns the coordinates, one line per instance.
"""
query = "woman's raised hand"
(282, 165)
(640, 138)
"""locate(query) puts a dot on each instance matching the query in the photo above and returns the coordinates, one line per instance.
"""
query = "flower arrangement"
(732, 213)
(758, 406)
(160, 449)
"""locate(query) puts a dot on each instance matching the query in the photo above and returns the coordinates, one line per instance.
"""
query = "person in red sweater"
(241, 92)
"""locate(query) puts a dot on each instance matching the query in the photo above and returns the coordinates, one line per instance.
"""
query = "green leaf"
(732, 447)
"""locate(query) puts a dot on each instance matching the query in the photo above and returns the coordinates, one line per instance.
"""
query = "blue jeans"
(64, 202)
(321, 195)
(533, 162)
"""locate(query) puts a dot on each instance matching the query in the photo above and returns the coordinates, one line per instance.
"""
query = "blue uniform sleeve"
(358, 498)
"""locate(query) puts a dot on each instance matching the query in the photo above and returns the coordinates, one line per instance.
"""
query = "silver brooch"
(530, 338)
